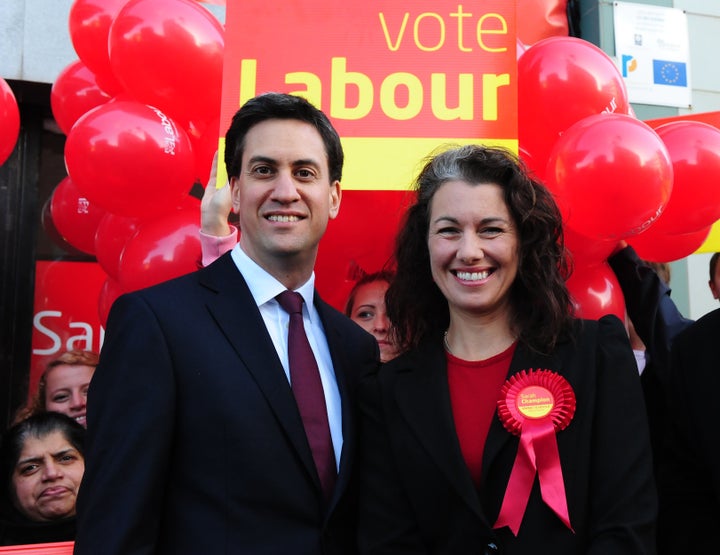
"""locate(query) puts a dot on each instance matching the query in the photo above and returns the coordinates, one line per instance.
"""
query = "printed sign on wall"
(652, 48)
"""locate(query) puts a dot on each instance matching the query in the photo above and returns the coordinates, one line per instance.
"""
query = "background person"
(689, 472)
(714, 281)
(42, 466)
(63, 386)
(366, 307)
(197, 441)
(480, 303)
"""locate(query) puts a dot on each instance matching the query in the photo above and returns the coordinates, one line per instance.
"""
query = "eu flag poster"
(669, 73)
(653, 53)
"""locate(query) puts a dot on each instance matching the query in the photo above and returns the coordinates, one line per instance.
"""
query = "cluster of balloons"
(9, 121)
(614, 177)
(141, 109)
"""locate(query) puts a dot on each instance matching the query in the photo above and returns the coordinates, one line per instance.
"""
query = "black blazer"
(416, 493)
(689, 474)
(195, 443)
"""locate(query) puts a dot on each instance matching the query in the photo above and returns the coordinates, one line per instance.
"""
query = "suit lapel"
(234, 310)
(423, 397)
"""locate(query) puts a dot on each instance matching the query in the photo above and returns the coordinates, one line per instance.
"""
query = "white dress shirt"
(264, 288)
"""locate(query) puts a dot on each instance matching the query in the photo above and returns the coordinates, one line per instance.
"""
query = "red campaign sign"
(396, 79)
(65, 315)
(384, 68)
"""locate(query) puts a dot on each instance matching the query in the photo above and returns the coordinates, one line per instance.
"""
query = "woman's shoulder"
(23, 531)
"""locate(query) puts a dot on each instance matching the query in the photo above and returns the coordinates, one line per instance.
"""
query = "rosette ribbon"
(535, 405)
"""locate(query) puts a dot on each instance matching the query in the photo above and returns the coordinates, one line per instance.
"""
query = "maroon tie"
(308, 391)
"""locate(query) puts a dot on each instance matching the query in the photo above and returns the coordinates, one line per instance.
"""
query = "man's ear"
(235, 194)
(335, 198)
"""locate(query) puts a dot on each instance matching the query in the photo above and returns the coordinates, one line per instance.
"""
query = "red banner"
(396, 79)
(65, 314)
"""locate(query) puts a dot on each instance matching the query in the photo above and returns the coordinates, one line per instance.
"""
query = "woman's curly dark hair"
(541, 305)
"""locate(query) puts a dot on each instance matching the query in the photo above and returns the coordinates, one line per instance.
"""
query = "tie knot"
(290, 301)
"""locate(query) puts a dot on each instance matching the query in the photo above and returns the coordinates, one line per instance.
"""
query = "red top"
(474, 390)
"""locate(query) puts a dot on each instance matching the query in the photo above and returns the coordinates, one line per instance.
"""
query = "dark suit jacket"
(657, 322)
(195, 443)
(416, 493)
(689, 475)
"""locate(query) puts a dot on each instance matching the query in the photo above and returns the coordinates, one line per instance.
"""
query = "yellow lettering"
(416, 32)
(491, 84)
(248, 80)
(480, 31)
(438, 97)
(415, 95)
(460, 15)
(313, 86)
(393, 47)
(340, 79)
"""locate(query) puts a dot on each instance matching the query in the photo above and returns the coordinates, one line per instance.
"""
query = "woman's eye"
(60, 398)
(365, 315)
(491, 231)
(28, 469)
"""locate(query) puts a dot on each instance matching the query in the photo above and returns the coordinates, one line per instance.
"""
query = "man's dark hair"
(280, 106)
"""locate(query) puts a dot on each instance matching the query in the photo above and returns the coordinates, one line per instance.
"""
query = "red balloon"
(587, 251)
(89, 23)
(611, 175)
(74, 216)
(169, 54)
(520, 48)
(204, 138)
(75, 92)
(53, 234)
(113, 233)
(110, 291)
(656, 246)
(562, 80)
(596, 292)
(161, 249)
(9, 121)
(694, 149)
(130, 159)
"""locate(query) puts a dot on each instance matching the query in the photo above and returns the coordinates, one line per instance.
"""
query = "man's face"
(283, 195)
(715, 283)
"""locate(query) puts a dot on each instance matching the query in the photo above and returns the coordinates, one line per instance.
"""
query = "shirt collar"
(263, 286)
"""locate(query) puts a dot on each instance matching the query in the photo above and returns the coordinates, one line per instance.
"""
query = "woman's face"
(66, 388)
(369, 311)
(47, 477)
(473, 247)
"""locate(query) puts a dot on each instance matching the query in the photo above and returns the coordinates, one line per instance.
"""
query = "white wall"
(35, 40)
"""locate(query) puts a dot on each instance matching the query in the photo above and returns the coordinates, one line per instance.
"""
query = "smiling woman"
(63, 386)
(500, 428)
(42, 464)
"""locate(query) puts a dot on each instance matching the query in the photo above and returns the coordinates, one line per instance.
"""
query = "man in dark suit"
(195, 439)
(689, 474)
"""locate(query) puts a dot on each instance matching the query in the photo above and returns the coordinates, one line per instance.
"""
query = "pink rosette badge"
(535, 405)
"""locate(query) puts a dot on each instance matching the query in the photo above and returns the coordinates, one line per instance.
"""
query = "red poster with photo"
(65, 313)
(396, 79)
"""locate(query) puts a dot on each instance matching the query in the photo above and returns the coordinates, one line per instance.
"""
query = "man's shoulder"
(703, 330)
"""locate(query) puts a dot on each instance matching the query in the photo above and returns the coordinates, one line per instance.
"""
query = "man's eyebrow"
(306, 162)
(265, 159)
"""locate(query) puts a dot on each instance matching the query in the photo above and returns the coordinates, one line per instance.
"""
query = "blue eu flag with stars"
(669, 73)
